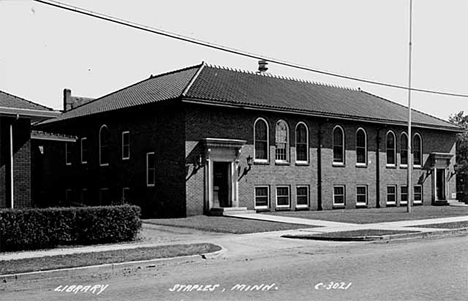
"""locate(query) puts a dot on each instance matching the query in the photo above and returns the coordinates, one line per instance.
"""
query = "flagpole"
(410, 139)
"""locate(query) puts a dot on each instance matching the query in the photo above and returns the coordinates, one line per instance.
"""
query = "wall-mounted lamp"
(454, 172)
(197, 162)
(247, 168)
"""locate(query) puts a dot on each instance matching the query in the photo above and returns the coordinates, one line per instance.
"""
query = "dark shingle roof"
(211, 84)
(14, 102)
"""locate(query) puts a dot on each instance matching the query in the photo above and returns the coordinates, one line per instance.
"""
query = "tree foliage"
(462, 138)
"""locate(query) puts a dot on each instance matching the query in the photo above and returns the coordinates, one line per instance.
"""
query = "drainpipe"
(12, 180)
(377, 169)
(319, 168)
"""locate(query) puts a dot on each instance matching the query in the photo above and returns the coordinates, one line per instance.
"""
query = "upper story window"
(84, 150)
(361, 147)
(68, 149)
(125, 145)
(302, 143)
(104, 145)
(261, 140)
(404, 150)
(338, 146)
(417, 150)
(282, 140)
(391, 150)
(150, 169)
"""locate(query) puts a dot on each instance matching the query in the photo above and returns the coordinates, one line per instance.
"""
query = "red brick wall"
(210, 122)
(21, 163)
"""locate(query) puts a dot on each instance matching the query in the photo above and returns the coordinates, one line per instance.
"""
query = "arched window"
(261, 140)
(391, 150)
(338, 145)
(281, 140)
(417, 150)
(361, 147)
(404, 149)
(302, 143)
(104, 145)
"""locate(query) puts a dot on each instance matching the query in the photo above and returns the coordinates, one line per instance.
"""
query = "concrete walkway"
(154, 235)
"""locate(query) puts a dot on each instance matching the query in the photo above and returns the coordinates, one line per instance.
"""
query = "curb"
(125, 267)
(380, 237)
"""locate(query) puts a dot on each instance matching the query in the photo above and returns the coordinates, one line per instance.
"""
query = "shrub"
(28, 229)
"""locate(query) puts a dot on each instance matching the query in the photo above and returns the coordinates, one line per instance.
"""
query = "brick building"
(207, 139)
(16, 116)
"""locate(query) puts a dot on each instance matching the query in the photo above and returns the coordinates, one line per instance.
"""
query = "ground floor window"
(339, 195)
(404, 195)
(302, 196)
(391, 195)
(125, 194)
(150, 169)
(282, 196)
(418, 198)
(361, 195)
(261, 197)
(104, 196)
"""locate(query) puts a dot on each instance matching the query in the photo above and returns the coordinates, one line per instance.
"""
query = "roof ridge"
(283, 77)
(28, 101)
(412, 109)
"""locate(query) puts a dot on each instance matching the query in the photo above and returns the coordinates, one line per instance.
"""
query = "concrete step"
(230, 211)
(457, 203)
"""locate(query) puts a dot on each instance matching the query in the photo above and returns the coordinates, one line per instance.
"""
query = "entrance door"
(221, 181)
(440, 185)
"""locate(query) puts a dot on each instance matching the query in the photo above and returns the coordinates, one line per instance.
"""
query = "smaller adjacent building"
(16, 117)
(208, 139)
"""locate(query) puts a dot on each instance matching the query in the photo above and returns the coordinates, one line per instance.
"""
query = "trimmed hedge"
(29, 229)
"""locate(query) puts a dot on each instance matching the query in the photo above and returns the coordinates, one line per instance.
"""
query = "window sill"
(262, 209)
(302, 207)
(102, 165)
(391, 166)
(390, 205)
(302, 163)
(282, 163)
(403, 166)
(361, 165)
(261, 162)
(283, 208)
(336, 164)
(125, 159)
(85, 162)
(361, 206)
(417, 166)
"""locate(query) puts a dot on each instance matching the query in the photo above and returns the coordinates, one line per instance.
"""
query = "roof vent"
(262, 66)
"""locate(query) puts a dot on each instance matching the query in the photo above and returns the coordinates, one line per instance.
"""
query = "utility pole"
(410, 139)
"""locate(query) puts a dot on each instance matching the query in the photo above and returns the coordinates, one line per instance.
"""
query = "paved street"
(421, 269)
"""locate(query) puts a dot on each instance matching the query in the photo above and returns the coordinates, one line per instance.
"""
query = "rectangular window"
(68, 196)
(84, 150)
(150, 169)
(125, 145)
(302, 196)
(418, 196)
(125, 194)
(361, 195)
(391, 195)
(68, 149)
(282, 196)
(261, 197)
(339, 196)
(84, 196)
(404, 195)
(104, 196)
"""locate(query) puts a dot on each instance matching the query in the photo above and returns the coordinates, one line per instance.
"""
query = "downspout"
(377, 169)
(12, 180)
(319, 168)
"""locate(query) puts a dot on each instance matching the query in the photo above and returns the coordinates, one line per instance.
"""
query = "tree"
(462, 155)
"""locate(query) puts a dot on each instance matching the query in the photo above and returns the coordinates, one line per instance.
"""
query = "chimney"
(67, 100)
(262, 66)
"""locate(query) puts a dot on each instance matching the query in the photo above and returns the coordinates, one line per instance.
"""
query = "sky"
(44, 49)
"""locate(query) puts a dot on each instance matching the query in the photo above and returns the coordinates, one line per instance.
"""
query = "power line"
(231, 50)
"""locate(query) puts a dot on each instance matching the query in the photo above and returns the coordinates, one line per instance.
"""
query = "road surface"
(422, 269)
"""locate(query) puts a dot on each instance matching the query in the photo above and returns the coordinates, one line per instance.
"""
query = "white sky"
(44, 49)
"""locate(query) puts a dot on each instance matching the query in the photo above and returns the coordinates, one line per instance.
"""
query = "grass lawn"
(89, 259)
(363, 234)
(454, 225)
(378, 215)
(225, 224)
